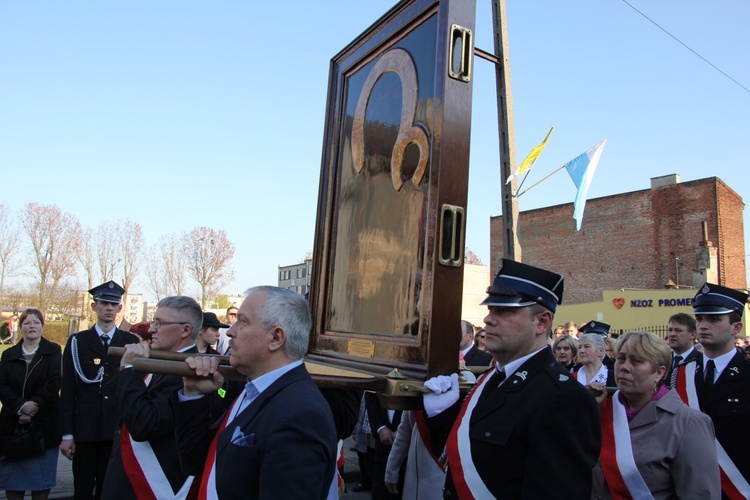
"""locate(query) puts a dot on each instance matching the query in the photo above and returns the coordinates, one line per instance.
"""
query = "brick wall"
(633, 240)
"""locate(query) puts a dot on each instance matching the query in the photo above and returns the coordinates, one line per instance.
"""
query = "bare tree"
(130, 242)
(471, 258)
(55, 236)
(10, 244)
(155, 275)
(209, 255)
(87, 255)
(107, 254)
(166, 266)
(175, 263)
(64, 304)
(16, 297)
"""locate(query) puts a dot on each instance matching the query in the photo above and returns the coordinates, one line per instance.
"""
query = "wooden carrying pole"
(398, 394)
(173, 363)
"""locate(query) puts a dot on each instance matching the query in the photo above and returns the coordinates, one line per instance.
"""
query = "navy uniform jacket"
(283, 445)
(147, 414)
(89, 411)
(475, 357)
(729, 408)
(537, 436)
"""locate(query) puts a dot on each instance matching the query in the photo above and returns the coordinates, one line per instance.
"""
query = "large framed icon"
(388, 256)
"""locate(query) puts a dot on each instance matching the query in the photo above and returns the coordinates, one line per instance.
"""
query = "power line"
(684, 45)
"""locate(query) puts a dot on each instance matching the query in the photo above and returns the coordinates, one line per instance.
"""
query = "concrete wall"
(476, 281)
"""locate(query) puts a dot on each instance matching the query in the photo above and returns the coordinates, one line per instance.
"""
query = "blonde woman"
(653, 444)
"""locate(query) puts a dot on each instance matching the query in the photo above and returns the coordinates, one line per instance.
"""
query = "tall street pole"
(507, 136)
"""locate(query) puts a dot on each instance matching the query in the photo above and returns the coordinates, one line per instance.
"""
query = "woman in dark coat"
(30, 377)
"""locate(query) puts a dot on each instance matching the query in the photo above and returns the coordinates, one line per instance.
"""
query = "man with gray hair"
(145, 461)
(277, 440)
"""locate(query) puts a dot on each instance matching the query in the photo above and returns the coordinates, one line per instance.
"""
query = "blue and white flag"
(581, 170)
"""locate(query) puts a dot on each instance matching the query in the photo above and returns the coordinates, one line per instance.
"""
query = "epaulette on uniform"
(558, 374)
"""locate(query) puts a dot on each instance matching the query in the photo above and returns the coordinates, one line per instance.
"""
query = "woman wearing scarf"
(653, 444)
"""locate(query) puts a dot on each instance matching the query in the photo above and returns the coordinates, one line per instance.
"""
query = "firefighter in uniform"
(88, 406)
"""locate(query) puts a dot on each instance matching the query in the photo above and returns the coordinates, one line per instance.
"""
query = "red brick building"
(685, 233)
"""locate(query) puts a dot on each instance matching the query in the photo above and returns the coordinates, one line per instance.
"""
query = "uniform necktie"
(710, 372)
(675, 364)
(492, 384)
(105, 340)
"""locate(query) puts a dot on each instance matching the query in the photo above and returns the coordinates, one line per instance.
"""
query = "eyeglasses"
(481, 336)
(158, 324)
(232, 314)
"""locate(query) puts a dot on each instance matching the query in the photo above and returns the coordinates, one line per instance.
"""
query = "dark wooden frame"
(433, 348)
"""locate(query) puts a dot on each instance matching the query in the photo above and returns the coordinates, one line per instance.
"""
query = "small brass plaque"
(361, 348)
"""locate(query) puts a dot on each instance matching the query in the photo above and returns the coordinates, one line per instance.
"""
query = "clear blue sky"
(185, 113)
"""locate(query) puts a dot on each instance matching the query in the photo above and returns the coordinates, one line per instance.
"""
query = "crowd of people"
(629, 417)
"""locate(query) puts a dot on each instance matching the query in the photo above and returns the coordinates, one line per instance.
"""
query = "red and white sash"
(616, 457)
(207, 489)
(424, 435)
(733, 484)
(143, 468)
(340, 462)
(465, 476)
(144, 471)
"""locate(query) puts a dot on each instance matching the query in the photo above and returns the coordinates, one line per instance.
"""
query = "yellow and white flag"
(529, 161)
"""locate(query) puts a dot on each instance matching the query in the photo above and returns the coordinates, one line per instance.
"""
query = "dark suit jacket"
(344, 405)
(147, 414)
(729, 408)
(475, 357)
(89, 411)
(378, 415)
(285, 444)
(690, 358)
(537, 436)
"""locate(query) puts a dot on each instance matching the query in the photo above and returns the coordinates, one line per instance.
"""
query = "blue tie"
(251, 392)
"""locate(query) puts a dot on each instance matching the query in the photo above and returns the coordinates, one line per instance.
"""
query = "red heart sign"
(618, 303)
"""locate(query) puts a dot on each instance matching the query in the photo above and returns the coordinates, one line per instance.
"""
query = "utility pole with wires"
(507, 137)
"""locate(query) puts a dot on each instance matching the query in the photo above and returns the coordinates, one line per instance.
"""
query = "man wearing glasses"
(222, 345)
(87, 403)
(145, 461)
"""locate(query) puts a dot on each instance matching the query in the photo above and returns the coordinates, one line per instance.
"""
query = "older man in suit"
(278, 439)
(472, 355)
(528, 429)
(145, 459)
(88, 408)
